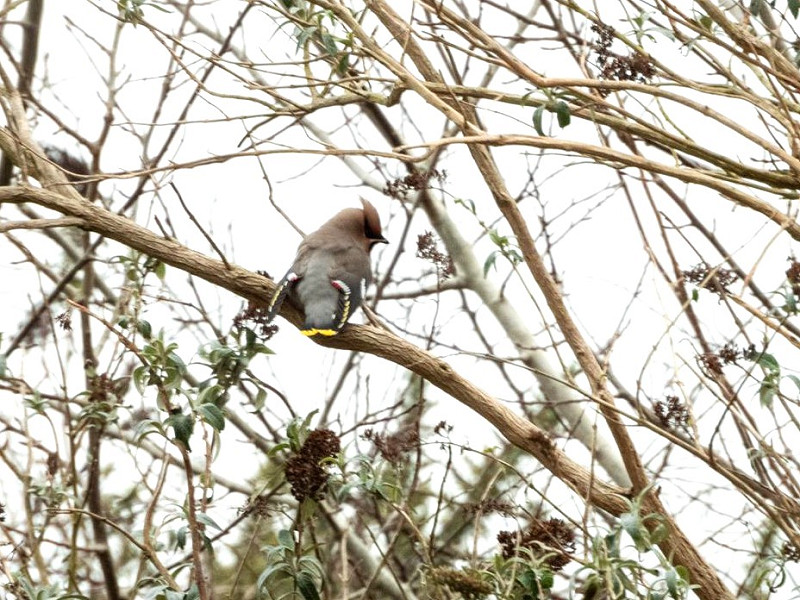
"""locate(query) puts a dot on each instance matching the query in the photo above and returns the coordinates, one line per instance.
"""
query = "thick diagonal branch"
(518, 430)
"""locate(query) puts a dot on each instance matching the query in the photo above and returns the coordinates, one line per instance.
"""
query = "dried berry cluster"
(671, 412)
(101, 387)
(711, 363)
(258, 506)
(793, 275)
(715, 280)
(428, 249)
(304, 470)
(605, 37)
(633, 67)
(491, 505)
(394, 447)
(791, 552)
(64, 320)
(727, 355)
(52, 464)
(418, 180)
(542, 538)
(2, 512)
(442, 428)
(466, 582)
(257, 315)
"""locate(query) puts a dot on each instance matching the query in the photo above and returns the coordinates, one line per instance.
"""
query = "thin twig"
(41, 224)
(200, 227)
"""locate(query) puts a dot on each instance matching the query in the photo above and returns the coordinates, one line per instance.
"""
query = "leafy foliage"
(601, 203)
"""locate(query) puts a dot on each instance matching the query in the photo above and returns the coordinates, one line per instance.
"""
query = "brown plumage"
(332, 270)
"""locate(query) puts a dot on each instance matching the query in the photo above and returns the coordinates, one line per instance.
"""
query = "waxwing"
(331, 271)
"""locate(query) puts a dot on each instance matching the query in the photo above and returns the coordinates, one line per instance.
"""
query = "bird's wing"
(351, 266)
(350, 275)
(285, 285)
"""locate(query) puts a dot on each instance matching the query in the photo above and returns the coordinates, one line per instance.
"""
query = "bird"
(330, 274)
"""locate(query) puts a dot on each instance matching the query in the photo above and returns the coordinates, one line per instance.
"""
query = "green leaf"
(497, 239)
(260, 400)
(277, 448)
(183, 426)
(160, 270)
(173, 378)
(193, 593)
(210, 395)
(631, 524)
(343, 64)
(514, 256)
(141, 377)
(546, 579)
(250, 337)
(790, 303)
(146, 427)
(280, 567)
(659, 534)
(286, 539)
(261, 349)
(129, 11)
(612, 542)
(537, 120)
(769, 362)
(562, 113)
(180, 537)
(766, 393)
(794, 379)
(467, 203)
(307, 420)
(297, 430)
(794, 7)
(667, 33)
(635, 527)
(145, 329)
(175, 360)
(207, 521)
(306, 586)
(529, 581)
(489, 263)
(304, 35)
(673, 581)
(329, 43)
(213, 415)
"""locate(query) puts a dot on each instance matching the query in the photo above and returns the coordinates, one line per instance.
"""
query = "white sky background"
(600, 259)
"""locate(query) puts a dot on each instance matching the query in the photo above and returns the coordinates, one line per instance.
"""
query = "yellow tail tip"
(326, 332)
